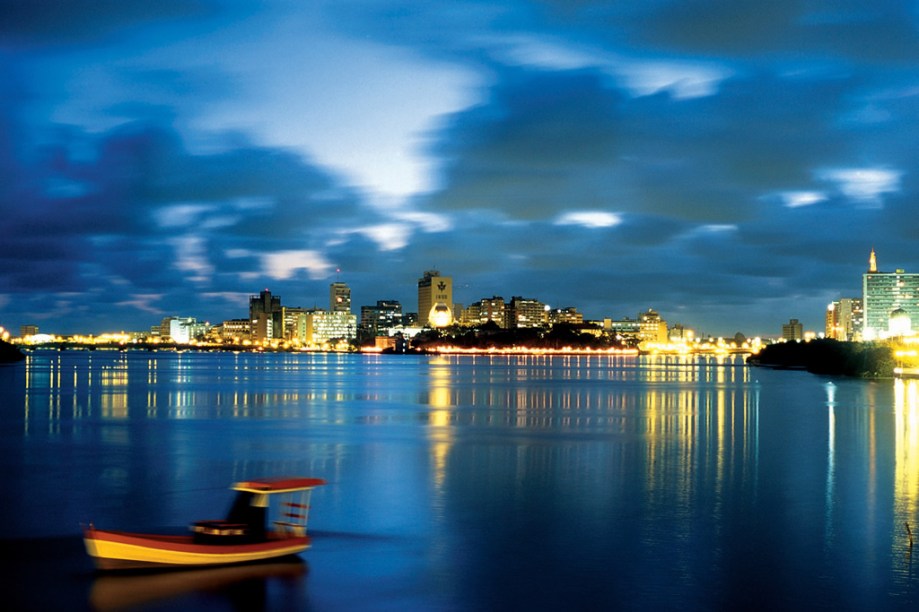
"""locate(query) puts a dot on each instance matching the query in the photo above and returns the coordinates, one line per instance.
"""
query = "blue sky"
(727, 163)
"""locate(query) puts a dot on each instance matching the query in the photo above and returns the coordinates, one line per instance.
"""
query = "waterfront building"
(679, 334)
(322, 328)
(435, 299)
(793, 330)
(883, 295)
(379, 319)
(525, 312)
(844, 319)
(652, 328)
(235, 330)
(625, 331)
(28, 330)
(266, 316)
(295, 324)
(182, 330)
(487, 309)
(340, 298)
(569, 315)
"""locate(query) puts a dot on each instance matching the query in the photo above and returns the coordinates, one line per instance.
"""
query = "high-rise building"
(793, 330)
(485, 310)
(435, 299)
(844, 319)
(324, 327)
(339, 298)
(888, 297)
(652, 328)
(377, 320)
(525, 312)
(266, 316)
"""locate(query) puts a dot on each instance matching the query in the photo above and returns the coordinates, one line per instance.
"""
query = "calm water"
(461, 483)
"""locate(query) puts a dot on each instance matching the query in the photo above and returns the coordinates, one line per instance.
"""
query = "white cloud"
(591, 219)
(190, 257)
(283, 264)
(797, 199)
(683, 79)
(865, 185)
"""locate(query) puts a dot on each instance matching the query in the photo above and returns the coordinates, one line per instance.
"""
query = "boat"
(243, 537)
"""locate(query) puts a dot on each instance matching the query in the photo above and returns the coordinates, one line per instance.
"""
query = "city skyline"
(728, 164)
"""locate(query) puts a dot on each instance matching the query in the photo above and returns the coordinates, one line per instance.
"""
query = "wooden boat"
(242, 537)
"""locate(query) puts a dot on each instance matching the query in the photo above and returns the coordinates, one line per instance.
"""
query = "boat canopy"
(278, 485)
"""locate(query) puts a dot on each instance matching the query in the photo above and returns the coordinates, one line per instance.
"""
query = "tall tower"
(872, 262)
(339, 298)
(435, 299)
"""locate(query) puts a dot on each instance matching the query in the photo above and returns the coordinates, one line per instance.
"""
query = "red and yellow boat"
(242, 537)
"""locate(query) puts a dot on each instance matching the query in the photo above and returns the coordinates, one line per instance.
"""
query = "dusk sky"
(729, 164)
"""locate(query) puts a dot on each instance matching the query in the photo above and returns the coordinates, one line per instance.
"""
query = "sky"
(730, 164)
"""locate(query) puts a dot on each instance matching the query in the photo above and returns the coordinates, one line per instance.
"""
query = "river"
(468, 482)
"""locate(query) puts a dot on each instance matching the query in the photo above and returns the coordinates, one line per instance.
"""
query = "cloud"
(282, 265)
(592, 219)
(865, 185)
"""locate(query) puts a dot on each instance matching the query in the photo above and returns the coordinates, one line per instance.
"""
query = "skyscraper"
(339, 297)
(435, 299)
(266, 316)
(887, 294)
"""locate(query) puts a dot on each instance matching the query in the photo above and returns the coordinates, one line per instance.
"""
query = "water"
(468, 483)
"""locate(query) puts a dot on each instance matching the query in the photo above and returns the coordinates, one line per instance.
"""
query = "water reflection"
(636, 480)
(906, 450)
(243, 587)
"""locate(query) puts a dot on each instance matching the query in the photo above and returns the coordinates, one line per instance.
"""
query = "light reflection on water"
(691, 482)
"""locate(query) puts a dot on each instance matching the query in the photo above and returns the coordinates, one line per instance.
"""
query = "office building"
(652, 328)
(379, 319)
(266, 316)
(339, 298)
(435, 299)
(569, 315)
(487, 309)
(793, 330)
(525, 312)
(322, 328)
(844, 319)
(888, 298)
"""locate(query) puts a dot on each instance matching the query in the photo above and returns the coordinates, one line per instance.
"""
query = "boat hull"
(116, 550)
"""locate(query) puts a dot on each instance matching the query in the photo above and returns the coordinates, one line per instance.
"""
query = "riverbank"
(829, 357)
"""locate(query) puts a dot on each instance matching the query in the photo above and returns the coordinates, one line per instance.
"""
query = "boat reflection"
(242, 585)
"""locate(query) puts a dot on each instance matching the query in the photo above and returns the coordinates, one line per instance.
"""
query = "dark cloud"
(42, 22)
(744, 156)
(145, 216)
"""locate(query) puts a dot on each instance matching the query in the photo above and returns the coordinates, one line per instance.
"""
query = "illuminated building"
(435, 299)
(235, 329)
(652, 328)
(321, 327)
(266, 316)
(485, 310)
(28, 330)
(844, 319)
(525, 312)
(793, 330)
(294, 324)
(568, 315)
(182, 329)
(339, 298)
(884, 293)
(378, 320)
(624, 330)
